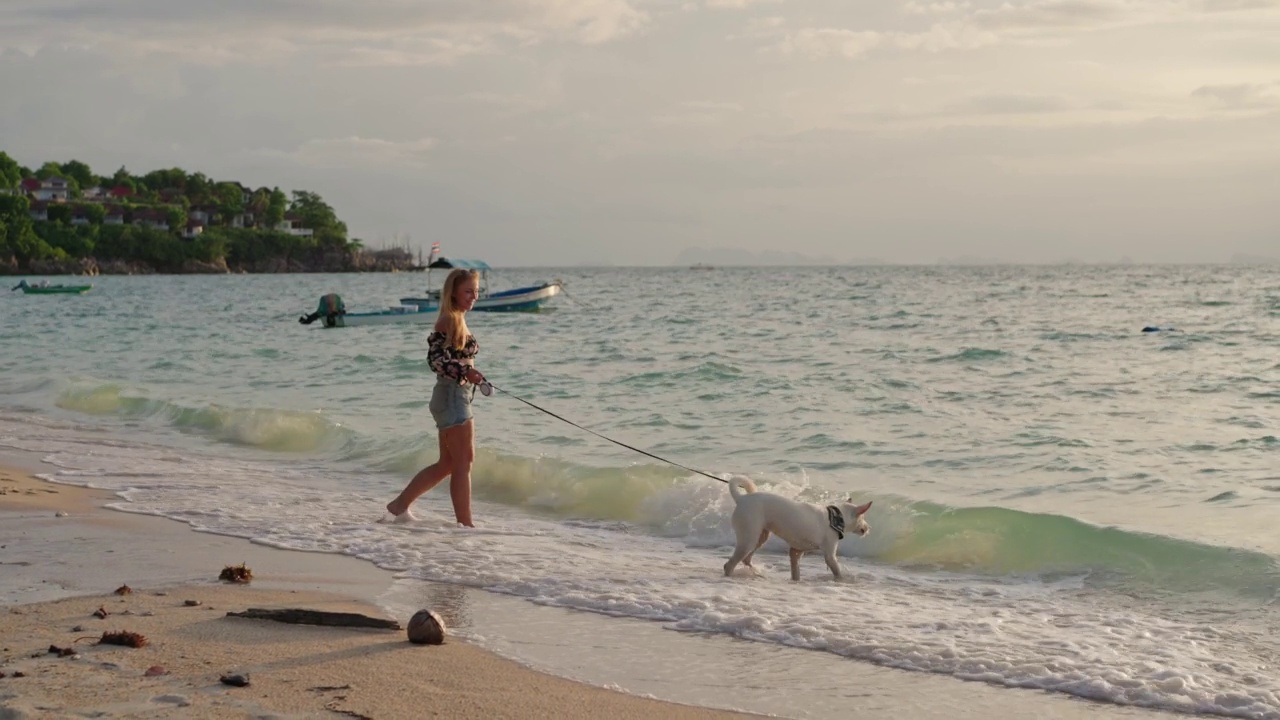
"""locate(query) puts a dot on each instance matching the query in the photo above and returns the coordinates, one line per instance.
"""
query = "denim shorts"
(450, 403)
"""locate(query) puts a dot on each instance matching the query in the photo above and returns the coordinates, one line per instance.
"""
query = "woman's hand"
(473, 376)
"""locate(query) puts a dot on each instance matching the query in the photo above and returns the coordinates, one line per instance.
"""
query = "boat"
(523, 299)
(44, 288)
(333, 312)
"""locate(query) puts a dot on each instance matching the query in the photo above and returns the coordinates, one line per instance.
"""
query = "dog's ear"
(862, 509)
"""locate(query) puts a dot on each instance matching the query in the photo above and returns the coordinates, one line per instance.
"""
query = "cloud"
(1054, 14)
(960, 25)
(1009, 105)
(542, 131)
(817, 43)
(711, 105)
(1079, 15)
(698, 112)
(935, 8)
(348, 152)
(826, 42)
(1240, 96)
(418, 32)
(1216, 6)
(737, 4)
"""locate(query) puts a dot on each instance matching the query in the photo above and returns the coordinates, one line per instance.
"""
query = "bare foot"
(403, 516)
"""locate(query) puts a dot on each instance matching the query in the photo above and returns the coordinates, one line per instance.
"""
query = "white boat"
(523, 299)
(333, 311)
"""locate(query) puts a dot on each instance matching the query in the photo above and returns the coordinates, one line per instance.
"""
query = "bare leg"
(461, 442)
(795, 563)
(427, 478)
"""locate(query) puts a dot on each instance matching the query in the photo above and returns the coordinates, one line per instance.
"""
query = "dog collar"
(836, 519)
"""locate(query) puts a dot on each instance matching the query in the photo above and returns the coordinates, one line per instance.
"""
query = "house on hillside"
(94, 194)
(53, 189)
(114, 215)
(290, 224)
(193, 229)
(119, 192)
(171, 196)
(151, 218)
(201, 213)
(80, 216)
(39, 210)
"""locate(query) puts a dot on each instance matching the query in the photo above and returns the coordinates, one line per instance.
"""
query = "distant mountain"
(1243, 259)
(730, 257)
(969, 260)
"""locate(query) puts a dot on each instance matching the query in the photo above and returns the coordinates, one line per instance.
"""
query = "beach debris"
(192, 603)
(155, 670)
(18, 673)
(124, 590)
(78, 628)
(61, 651)
(299, 616)
(60, 513)
(101, 613)
(123, 637)
(237, 680)
(332, 706)
(236, 573)
(426, 628)
(162, 594)
(329, 688)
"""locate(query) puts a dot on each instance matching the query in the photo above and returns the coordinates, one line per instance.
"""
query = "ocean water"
(1061, 501)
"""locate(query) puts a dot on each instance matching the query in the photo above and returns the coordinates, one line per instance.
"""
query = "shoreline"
(297, 670)
(611, 662)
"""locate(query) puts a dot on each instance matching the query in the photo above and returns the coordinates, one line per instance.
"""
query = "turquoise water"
(1061, 501)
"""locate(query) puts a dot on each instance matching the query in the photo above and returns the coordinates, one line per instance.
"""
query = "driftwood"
(317, 617)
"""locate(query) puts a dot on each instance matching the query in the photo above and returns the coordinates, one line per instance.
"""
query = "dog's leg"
(829, 553)
(741, 550)
(795, 563)
(764, 535)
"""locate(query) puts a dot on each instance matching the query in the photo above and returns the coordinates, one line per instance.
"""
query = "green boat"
(47, 289)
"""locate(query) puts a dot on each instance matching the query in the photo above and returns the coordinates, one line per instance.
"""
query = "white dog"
(804, 526)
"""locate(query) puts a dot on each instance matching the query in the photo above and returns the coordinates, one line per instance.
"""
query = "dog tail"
(740, 486)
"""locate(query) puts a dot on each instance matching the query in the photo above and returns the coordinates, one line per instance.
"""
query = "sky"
(653, 132)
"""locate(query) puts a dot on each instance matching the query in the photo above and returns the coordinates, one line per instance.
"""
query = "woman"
(451, 352)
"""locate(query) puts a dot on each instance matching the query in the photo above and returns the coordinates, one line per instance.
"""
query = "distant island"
(62, 219)
(734, 257)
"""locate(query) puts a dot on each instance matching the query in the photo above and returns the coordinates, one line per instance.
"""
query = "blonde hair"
(452, 318)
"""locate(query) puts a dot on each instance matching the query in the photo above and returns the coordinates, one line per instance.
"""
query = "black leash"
(602, 437)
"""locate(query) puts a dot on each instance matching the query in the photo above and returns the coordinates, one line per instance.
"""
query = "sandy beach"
(55, 544)
(63, 553)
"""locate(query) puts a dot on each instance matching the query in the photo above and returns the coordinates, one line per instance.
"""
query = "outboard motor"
(330, 308)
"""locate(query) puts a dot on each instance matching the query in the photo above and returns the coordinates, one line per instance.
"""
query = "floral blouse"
(446, 360)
